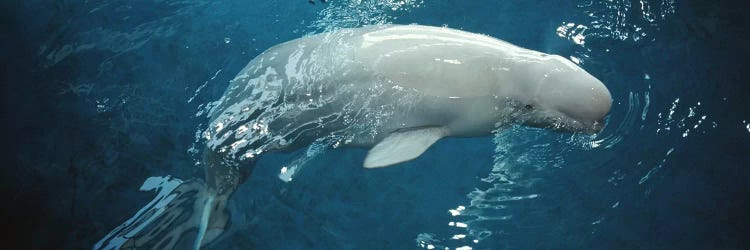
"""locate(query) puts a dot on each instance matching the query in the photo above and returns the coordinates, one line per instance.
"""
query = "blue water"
(98, 96)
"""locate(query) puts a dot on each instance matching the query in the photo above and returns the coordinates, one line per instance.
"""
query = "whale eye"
(528, 107)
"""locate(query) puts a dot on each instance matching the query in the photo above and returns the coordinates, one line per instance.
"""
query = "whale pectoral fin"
(401, 146)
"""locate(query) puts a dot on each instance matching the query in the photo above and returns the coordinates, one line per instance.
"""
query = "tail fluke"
(182, 215)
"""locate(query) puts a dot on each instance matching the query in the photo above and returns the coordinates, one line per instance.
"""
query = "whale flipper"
(403, 145)
(315, 149)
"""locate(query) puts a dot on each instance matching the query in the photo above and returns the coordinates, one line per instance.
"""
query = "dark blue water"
(98, 96)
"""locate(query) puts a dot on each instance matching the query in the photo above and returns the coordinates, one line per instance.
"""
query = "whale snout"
(577, 101)
(587, 98)
(591, 110)
(602, 101)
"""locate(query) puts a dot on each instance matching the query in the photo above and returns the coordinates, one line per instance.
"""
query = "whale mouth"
(591, 128)
(578, 127)
(571, 123)
(598, 125)
(559, 122)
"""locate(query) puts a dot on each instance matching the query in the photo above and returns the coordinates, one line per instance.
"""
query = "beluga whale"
(393, 89)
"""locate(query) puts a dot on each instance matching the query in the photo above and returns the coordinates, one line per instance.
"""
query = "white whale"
(396, 89)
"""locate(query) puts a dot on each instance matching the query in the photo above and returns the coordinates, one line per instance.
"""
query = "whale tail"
(184, 215)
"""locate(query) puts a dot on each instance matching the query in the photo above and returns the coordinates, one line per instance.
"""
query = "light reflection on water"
(524, 158)
(357, 13)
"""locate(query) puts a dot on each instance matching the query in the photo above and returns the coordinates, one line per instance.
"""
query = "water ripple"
(524, 157)
(357, 13)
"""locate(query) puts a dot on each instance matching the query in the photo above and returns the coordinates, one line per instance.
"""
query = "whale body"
(414, 81)
(394, 89)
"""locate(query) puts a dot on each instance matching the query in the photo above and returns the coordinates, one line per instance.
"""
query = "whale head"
(561, 96)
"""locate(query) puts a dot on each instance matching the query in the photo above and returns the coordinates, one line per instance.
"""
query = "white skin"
(409, 76)
(359, 85)
(362, 84)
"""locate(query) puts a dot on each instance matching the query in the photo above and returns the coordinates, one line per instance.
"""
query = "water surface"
(99, 96)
